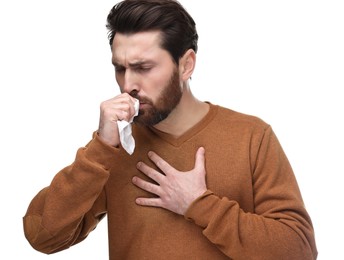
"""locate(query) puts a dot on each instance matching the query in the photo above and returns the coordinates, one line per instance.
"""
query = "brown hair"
(167, 16)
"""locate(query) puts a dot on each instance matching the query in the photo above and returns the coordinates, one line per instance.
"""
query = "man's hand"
(176, 190)
(120, 107)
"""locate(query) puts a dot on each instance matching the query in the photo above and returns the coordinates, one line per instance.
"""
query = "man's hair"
(177, 27)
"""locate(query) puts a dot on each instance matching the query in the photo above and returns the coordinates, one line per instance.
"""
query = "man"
(203, 182)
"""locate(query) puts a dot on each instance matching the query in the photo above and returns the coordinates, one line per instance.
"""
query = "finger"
(124, 103)
(126, 98)
(124, 111)
(115, 109)
(159, 162)
(130, 102)
(115, 115)
(145, 185)
(152, 202)
(200, 159)
(150, 172)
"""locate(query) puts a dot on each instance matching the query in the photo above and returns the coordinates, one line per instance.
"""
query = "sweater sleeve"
(279, 227)
(64, 213)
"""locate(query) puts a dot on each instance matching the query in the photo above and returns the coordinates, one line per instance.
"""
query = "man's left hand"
(176, 190)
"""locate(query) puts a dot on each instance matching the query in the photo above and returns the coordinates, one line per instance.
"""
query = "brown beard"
(166, 102)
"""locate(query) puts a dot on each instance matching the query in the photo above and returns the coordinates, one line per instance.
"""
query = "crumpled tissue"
(125, 133)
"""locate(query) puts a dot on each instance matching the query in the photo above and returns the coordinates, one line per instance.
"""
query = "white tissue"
(124, 128)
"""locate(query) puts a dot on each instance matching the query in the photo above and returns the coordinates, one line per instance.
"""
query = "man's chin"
(150, 120)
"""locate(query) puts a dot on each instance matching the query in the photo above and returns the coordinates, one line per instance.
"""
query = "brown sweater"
(253, 208)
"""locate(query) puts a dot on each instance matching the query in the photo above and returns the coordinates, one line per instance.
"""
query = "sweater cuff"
(99, 152)
(201, 210)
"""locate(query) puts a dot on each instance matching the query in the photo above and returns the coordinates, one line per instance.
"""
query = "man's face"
(147, 72)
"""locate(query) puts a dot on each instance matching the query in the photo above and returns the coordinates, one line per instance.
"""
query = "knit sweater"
(252, 209)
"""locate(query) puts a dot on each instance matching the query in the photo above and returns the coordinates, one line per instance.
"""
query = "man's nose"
(130, 81)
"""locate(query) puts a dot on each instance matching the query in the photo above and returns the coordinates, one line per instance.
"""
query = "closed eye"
(142, 69)
(119, 69)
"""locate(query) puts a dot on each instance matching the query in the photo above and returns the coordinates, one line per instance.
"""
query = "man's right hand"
(120, 108)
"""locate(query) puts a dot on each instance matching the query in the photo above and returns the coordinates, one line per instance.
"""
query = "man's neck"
(188, 113)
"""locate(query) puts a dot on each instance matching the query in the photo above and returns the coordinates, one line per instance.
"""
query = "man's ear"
(187, 64)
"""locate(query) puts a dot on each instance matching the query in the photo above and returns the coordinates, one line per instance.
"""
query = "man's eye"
(119, 69)
(143, 69)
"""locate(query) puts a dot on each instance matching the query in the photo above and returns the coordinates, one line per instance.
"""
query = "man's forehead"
(142, 40)
(136, 48)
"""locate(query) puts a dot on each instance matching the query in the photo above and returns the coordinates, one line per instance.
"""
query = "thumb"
(200, 160)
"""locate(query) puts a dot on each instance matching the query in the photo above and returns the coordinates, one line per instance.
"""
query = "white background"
(282, 61)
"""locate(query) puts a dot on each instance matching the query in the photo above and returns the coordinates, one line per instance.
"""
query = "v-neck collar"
(177, 141)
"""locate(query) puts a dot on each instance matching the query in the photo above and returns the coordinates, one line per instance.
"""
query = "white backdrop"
(282, 61)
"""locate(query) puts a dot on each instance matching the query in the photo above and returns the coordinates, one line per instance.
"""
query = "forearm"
(243, 235)
(65, 212)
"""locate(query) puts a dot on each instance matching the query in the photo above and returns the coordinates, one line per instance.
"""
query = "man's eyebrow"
(134, 64)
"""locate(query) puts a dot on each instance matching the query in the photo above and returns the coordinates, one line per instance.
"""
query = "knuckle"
(106, 113)
(125, 106)
(151, 174)
(160, 163)
(103, 106)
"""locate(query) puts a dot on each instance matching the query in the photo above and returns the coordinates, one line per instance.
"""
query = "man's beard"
(166, 102)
